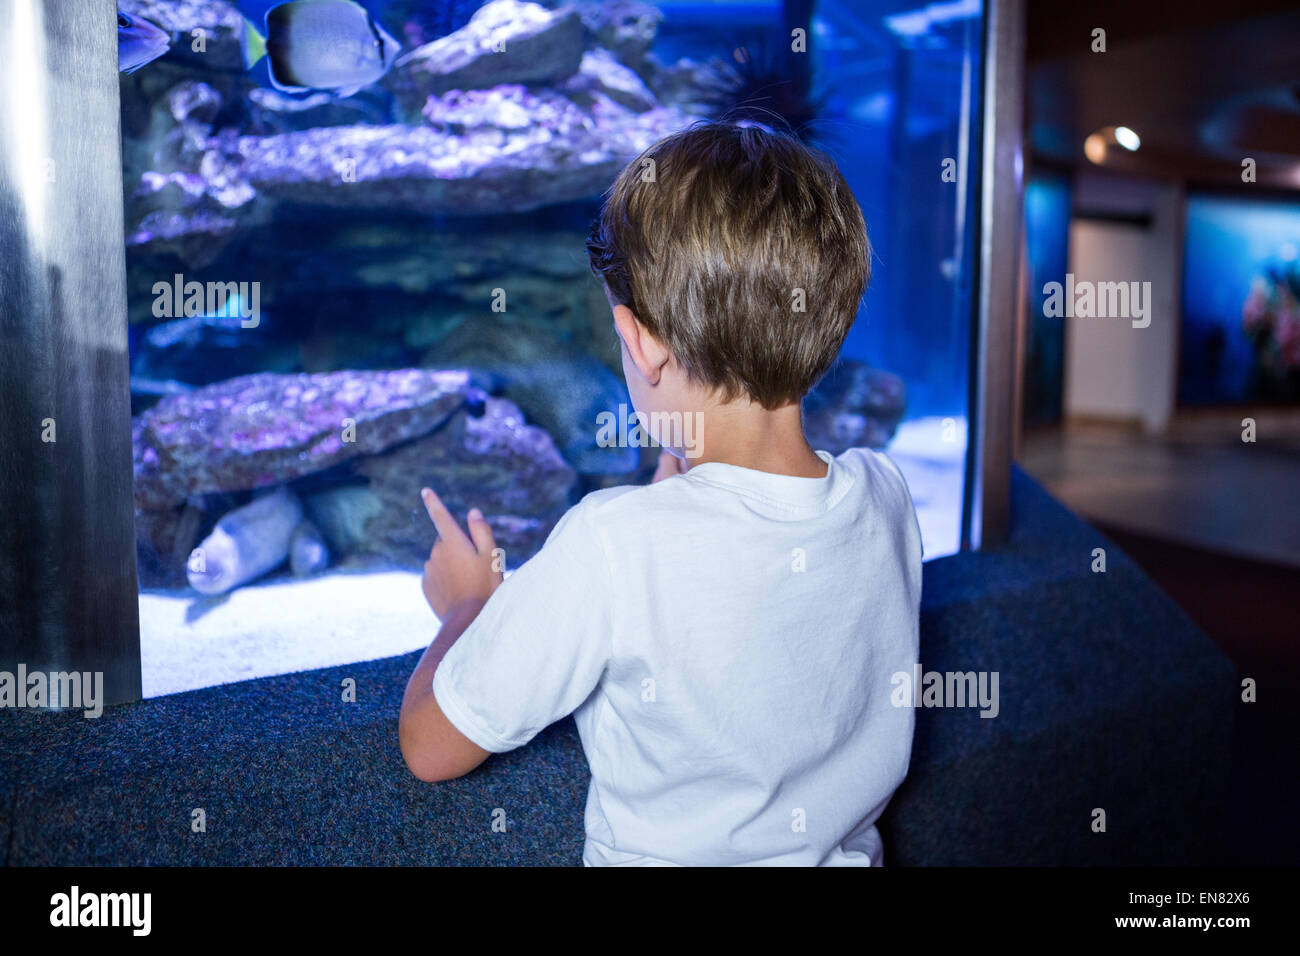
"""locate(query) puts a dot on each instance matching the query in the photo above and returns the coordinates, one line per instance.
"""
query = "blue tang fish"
(138, 42)
(321, 45)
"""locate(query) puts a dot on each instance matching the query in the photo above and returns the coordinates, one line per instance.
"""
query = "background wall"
(1125, 231)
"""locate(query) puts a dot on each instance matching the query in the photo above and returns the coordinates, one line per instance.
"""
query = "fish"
(246, 543)
(139, 42)
(158, 387)
(308, 552)
(222, 330)
(333, 45)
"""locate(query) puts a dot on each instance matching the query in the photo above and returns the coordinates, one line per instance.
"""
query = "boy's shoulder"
(602, 521)
(604, 505)
(610, 523)
(877, 463)
(873, 473)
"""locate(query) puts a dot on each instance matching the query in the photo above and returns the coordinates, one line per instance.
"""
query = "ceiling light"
(1094, 147)
(1127, 138)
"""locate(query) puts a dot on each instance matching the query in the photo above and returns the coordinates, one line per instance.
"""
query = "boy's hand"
(459, 573)
(669, 465)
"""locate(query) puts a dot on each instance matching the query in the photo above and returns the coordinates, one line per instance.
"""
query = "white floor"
(187, 641)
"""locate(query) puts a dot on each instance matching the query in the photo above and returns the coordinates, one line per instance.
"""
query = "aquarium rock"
(505, 41)
(188, 213)
(625, 27)
(504, 166)
(493, 461)
(266, 429)
(486, 114)
(561, 388)
(566, 398)
(246, 543)
(276, 112)
(197, 236)
(341, 515)
(561, 155)
(854, 406)
(603, 75)
(193, 101)
(308, 553)
(145, 392)
(412, 427)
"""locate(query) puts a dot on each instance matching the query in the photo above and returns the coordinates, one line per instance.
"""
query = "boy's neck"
(746, 435)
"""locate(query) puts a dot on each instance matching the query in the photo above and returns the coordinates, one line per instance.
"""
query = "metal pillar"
(68, 598)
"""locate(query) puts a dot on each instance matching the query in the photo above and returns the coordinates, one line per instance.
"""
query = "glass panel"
(902, 82)
(356, 265)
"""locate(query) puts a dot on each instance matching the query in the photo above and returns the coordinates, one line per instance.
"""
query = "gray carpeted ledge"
(1109, 698)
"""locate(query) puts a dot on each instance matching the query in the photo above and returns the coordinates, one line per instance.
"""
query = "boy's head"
(742, 256)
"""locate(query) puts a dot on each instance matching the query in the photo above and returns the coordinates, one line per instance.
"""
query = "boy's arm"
(459, 577)
(432, 747)
(506, 665)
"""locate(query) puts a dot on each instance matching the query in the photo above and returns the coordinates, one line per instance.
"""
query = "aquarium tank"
(356, 266)
(1240, 340)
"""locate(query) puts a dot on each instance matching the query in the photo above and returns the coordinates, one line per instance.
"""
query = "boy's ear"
(647, 353)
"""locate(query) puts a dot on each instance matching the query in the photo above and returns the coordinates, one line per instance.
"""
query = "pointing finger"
(447, 527)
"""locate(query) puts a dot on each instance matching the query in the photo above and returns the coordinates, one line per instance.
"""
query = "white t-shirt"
(726, 641)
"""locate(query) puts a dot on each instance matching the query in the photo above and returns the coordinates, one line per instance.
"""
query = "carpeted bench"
(1108, 698)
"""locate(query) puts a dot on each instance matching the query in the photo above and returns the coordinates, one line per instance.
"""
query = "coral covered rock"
(626, 27)
(487, 458)
(198, 454)
(505, 41)
(601, 75)
(266, 429)
(552, 153)
(557, 386)
(854, 406)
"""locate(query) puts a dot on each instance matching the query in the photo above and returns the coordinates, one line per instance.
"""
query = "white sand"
(187, 641)
(932, 457)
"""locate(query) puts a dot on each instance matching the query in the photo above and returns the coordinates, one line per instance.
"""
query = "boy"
(725, 636)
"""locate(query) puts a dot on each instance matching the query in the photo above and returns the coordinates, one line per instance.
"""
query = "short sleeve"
(906, 506)
(539, 646)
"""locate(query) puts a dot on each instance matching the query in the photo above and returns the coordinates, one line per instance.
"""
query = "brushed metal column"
(68, 596)
(994, 367)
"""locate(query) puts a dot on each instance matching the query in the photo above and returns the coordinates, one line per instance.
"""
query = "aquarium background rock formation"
(419, 250)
